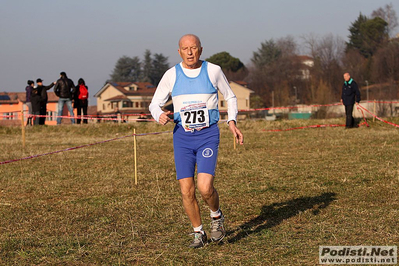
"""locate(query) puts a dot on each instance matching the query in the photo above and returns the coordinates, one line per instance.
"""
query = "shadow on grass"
(273, 214)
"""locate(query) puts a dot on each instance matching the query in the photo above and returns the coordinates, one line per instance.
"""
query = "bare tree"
(287, 46)
(356, 65)
(389, 15)
(386, 63)
(275, 70)
(385, 71)
(327, 53)
(311, 43)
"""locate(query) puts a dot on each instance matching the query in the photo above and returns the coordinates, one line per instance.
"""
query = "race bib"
(194, 116)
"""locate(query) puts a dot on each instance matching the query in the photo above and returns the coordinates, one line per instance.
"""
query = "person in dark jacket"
(28, 90)
(36, 99)
(64, 89)
(43, 99)
(350, 95)
(81, 99)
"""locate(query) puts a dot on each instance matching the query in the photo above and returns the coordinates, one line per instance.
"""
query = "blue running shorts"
(197, 147)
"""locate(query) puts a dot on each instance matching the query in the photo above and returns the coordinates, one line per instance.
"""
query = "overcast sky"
(85, 38)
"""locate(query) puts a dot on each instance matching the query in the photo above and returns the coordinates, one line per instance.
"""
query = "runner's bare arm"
(236, 132)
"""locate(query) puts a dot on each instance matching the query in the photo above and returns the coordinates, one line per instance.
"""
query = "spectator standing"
(64, 89)
(350, 95)
(28, 90)
(142, 117)
(43, 99)
(36, 99)
(81, 101)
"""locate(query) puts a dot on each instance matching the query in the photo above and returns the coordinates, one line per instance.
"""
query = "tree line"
(132, 69)
(278, 73)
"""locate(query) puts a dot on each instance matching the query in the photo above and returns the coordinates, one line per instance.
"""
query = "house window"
(50, 115)
(103, 106)
(114, 105)
(246, 102)
(126, 104)
(7, 116)
(222, 103)
(137, 104)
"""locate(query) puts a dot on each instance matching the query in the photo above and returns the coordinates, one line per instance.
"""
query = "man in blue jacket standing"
(350, 95)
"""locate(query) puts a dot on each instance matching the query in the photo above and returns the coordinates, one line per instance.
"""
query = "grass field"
(283, 195)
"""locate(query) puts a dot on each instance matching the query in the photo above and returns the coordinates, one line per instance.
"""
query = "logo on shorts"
(208, 152)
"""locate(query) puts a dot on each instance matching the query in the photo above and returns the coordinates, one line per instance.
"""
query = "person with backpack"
(64, 89)
(81, 100)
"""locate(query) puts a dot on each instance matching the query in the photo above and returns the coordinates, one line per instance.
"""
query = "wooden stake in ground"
(23, 128)
(234, 141)
(135, 157)
(374, 112)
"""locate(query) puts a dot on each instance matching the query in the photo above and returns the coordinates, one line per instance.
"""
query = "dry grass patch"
(283, 194)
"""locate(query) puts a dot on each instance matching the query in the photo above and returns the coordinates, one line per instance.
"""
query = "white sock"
(199, 229)
(216, 213)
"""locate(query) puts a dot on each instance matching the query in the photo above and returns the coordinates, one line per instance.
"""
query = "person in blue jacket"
(350, 96)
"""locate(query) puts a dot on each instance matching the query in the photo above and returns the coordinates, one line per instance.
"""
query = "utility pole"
(367, 84)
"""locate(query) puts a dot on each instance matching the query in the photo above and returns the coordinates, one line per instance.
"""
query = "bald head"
(190, 36)
(347, 77)
(190, 51)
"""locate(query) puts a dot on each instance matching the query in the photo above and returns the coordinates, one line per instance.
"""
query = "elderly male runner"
(194, 86)
(350, 95)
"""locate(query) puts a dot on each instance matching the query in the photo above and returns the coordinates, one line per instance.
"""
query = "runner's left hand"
(236, 132)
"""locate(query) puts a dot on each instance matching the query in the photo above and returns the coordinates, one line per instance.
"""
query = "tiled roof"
(8, 97)
(144, 88)
(21, 96)
(240, 82)
(117, 98)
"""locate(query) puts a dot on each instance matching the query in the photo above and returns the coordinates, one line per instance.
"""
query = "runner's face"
(190, 51)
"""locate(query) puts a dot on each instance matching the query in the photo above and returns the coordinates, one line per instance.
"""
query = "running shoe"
(200, 240)
(217, 228)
